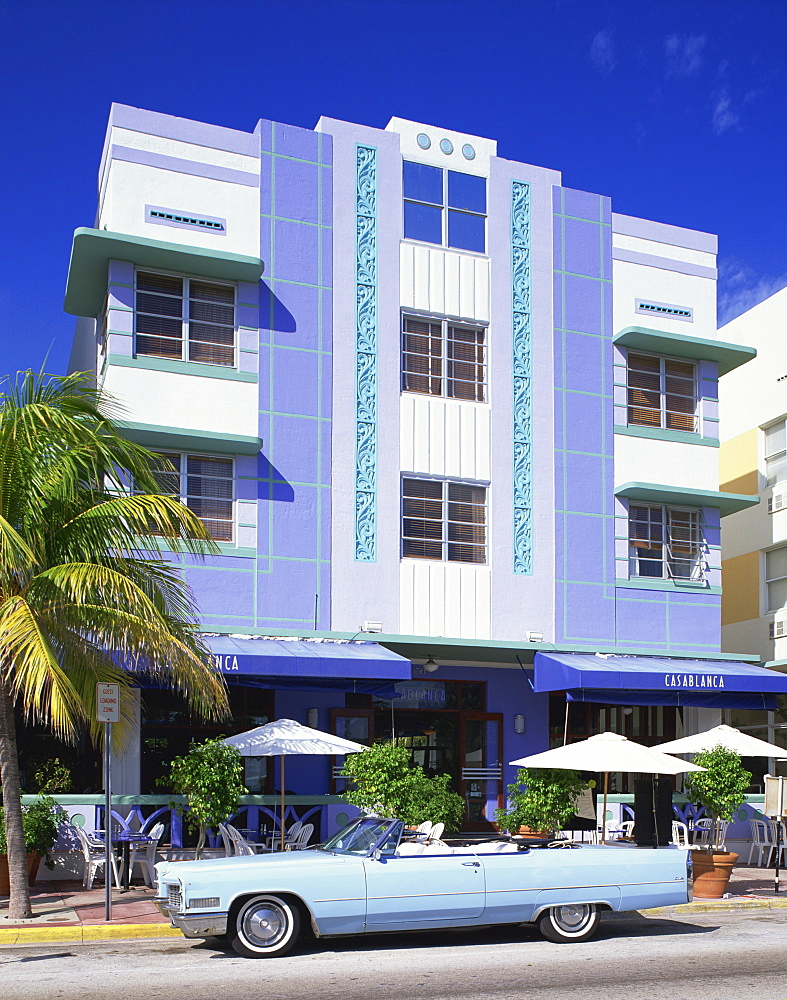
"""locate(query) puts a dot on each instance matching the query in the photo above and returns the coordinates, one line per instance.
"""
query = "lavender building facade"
(453, 425)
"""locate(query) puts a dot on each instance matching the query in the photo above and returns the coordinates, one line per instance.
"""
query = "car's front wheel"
(570, 923)
(265, 926)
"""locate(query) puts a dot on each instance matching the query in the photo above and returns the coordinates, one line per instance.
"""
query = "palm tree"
(85, 596)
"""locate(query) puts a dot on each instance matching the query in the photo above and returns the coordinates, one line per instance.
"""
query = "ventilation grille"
(777, 629)
(777, 502)
(172, 218)
(664, 309)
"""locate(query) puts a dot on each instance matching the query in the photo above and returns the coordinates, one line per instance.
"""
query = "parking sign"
(108, 702)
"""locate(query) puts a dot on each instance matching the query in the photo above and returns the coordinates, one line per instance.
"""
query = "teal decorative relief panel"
(522, 370)
(366, 354)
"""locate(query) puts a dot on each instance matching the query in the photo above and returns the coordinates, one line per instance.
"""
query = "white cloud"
(741, 288)
(602, 52)
(684, 54)
(725, 116)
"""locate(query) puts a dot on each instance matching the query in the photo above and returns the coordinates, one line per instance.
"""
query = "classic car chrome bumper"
(197, 925)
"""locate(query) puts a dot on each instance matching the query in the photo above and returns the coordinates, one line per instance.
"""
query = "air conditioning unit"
(372, 627)
(777, 502)
(777, 629)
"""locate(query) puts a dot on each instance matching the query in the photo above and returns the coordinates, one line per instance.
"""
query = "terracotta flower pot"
(712, 871)
(33, 861)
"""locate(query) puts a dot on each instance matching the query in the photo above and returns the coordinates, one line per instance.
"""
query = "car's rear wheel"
(569, 923)
(265, 926)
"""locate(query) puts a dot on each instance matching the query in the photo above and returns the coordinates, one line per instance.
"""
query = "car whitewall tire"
(570, 923)
(265, 926)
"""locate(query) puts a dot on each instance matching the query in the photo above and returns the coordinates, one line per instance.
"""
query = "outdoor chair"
(435, 833)
(147, 861)
(226, 840)
(760, 842)
(273, 841)
(680, 835)
(239, 842)
(300, 842)
(94, 852)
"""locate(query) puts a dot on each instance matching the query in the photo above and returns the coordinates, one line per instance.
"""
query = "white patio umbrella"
(725, 736)
(607, 752)
(284, 737)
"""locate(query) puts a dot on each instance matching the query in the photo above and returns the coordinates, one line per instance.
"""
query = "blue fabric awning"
(652, 680)
(326, 658)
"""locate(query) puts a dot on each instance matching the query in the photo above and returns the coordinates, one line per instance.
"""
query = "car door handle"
(471, 864)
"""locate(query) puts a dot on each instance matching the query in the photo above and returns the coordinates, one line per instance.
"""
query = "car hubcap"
(264, 925)
(571, 918)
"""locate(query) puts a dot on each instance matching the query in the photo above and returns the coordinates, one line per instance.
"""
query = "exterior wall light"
(431, 665)
(519, 724)
(312, 717)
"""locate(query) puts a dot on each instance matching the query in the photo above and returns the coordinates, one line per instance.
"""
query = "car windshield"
(360, 836)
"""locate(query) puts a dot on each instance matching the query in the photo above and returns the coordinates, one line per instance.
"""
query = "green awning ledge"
(727, 503)
(727, 356)
(157, 437)
(93, 249)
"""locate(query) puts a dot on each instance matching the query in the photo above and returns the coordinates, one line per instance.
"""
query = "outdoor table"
(125, 838)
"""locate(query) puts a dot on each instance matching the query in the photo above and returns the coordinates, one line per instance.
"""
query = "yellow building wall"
(738, 471)
(740, 600)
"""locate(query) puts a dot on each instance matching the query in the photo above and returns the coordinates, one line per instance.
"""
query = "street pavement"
(64, 911)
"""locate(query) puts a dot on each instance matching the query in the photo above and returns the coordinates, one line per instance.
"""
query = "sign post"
(108, 712)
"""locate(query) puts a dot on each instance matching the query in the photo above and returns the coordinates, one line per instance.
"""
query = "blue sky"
(675, 108)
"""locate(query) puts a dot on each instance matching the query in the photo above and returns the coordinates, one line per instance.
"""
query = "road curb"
(741, 905)
(89, 932)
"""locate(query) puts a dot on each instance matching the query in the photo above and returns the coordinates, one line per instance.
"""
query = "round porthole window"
(423, 140)
(447, 146)
(468, 152)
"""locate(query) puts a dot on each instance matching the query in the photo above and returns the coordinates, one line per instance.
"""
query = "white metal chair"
(436, 832)
(94, 852)
(300, 842)
(147, 861)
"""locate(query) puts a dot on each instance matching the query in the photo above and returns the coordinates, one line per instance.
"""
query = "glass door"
(481, 780)
(356, 724)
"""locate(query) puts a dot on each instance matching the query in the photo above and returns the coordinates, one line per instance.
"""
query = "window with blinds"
(662, 392)
(184, 319)
(205, 485)
(665, 543)
(441, 358)
(443, 520)
(776, 452)
(776, 578)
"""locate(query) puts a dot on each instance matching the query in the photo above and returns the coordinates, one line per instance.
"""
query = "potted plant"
(542, 799)
(385, 781)
(720, 789)
(210, 777)
(41, 823)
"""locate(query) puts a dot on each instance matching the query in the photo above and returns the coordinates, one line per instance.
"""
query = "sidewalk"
(64, 911)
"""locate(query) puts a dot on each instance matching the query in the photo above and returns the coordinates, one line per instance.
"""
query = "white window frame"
(185, 317)
(444, 541)
(445, 208)
(663, 394)
(667, 545)
(183, 491)
(769, 608)
(446, 324)
(777, 457)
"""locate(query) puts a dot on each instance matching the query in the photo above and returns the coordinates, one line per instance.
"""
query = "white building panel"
(648, 460)
(664, 250)
(132, 186)
(640, 281)
(211, 405)
(445, 599)
(444, 282)
(446, 438)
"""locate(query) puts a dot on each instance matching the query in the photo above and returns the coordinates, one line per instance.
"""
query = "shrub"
(388, 783)
(721, 788)
(542, 798)
(41, 823)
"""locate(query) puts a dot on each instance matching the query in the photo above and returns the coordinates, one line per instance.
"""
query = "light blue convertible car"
(368, 879)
